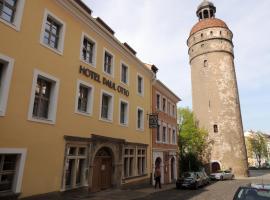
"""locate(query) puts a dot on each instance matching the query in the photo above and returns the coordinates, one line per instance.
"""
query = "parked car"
(222, 175)
(253, 192)
(205, 178)
(190, 180)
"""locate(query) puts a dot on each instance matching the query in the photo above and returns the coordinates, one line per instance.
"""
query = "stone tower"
(214, 90)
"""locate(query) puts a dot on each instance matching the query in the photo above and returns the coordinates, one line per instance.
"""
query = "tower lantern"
(206, 10)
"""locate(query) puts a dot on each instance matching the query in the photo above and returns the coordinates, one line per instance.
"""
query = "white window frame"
(17, 17)
(53, 98)
(60, 49)
(90, 98)
(8, 64)
(142, 93)
(85, 35)
(142, 120)
(123, 63)
(108, 51)
(111, 106)
(160, 101)
(16, 188)
(127, 114)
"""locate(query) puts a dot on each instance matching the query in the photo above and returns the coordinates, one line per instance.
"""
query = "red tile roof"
(208, 23)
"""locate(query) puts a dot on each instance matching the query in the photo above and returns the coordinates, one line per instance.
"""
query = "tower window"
(202, 35)
(211, 32)
(215, 128)
(211, 13)
(202, 45)
(205, 14)
(220, 32)
(200, 15)
(205, 63)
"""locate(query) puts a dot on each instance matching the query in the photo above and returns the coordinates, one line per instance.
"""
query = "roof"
(205, 3)
(208, 23)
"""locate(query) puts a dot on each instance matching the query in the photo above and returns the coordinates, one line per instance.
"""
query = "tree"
(192, 141)
(258, 146)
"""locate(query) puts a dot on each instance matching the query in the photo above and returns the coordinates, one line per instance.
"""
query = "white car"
(222, 175)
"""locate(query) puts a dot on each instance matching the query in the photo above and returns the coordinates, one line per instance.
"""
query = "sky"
(158, 30)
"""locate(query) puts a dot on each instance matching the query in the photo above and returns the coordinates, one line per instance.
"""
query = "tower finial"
(206, 10)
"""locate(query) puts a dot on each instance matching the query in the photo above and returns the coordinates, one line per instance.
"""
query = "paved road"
(221, 190)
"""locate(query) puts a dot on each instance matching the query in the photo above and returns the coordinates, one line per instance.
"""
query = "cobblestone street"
(221, 190)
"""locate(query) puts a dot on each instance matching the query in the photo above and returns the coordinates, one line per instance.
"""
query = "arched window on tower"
(205, 14)
(211, 13)
(200, 15)
(215, 128)
(205, 63)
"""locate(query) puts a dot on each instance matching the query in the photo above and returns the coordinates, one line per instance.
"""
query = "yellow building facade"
(73, 101)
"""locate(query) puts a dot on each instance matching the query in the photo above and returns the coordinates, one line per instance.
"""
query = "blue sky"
(158, 32)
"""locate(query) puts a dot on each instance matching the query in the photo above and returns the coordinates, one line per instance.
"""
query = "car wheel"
(196, 186)
(221, 178)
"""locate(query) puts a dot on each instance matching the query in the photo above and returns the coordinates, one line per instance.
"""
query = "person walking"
(157, 176)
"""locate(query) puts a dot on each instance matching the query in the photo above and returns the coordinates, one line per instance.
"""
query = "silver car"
(222, 175)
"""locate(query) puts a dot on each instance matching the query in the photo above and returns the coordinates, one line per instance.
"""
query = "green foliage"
(257, 145)
(192, 140)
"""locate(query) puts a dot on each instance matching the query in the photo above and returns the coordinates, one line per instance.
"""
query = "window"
(108, 63)
(169, 135)
(215, 128)
(6, 68)
(106, 106)
(140, 120)
(173, 110)
(158, 133)
(11, 12)
(164, 134)
(140, 86)
(158, 101)
(53, 32)
(164, 105)
(88, 50)
(124, 73)
(123, 112)
(173, 136)
(44, 98)
(75, 166)
(84, 98)
(141, 161)
(205, 63)
(11, 169)
(169, 108)
(7, 10)
(129, 161)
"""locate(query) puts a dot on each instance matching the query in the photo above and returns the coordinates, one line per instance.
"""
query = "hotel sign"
(153, 120)
(103, 80)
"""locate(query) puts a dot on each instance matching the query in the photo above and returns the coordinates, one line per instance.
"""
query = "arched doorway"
(102, 170)
(215, 166)
(172, 169)
(158, 162)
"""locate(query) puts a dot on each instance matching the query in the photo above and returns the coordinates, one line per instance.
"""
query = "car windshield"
(253, 194)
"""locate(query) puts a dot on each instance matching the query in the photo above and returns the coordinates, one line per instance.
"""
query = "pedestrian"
(157, 176)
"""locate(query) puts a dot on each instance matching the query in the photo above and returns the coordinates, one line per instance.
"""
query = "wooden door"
(102, 172)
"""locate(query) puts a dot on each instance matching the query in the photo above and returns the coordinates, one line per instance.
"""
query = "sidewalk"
(128, 194)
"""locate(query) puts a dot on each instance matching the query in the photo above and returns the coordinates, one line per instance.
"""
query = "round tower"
(215, 96)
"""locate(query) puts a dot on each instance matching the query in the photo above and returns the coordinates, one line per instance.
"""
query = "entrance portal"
(102, 170)
(215, 167)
